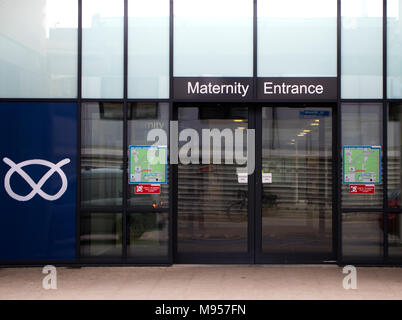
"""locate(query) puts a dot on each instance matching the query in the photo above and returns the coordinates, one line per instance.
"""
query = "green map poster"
(361, 165)
(147, 164)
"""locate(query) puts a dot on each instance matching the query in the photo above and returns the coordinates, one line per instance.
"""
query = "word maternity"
(235, 88)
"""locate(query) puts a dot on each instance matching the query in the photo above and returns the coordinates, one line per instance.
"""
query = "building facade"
(305, 96)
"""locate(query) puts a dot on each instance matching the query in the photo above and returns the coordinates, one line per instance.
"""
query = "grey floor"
(202, 282)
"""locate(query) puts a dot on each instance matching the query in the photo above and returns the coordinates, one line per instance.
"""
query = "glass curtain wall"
(296, 38)
(362, 232)
(148, 49)
(116, 223)
(394, 217)
(213, 38)
(102, 49)
(38, 49)
(394, 47)
(361, 49)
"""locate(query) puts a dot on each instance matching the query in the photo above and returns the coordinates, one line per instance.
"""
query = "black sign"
(213, 88)
(297, 88)
(239, 89)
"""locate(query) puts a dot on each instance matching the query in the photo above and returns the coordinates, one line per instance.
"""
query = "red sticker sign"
(147, 189)
(361, 189)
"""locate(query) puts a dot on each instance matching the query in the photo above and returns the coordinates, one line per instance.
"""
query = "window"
(143, 117)
(101, 235)
(362, 236)
(394, 44)
(297, 38)
(148, 49)
(361, 126)
(102, 48)
(213, 38)
(361, 47)
(148, 235)
(38, 49)
(101, 154)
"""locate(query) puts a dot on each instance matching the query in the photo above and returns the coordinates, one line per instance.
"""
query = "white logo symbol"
(36, 187)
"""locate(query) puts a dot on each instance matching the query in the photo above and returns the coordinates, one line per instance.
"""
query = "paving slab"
(216, 282)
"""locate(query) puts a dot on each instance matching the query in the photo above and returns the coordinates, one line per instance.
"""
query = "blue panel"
(37, 222)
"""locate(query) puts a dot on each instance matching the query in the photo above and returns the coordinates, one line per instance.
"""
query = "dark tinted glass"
(101, 234)
(101, 154)
(394, 155)
(148, 235)
(142, 119)
(395, 236)
(362, 236)
(361, 126)
(212, 204)
(297, 205)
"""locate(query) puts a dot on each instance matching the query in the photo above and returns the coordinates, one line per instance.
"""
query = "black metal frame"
(385, 209)
(337, 204)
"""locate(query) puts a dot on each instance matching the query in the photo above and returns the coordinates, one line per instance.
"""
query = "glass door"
(282, 212)
(213, 221)
(294, 190)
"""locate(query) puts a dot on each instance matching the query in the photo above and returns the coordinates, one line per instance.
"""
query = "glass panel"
(144, 117)
(102, 48)
(212, 204)
(297, 38)
(362, 236)
(148, 49)
(394, 44)
(361, 49)
(394, 155)
(38, 49)
(361, 126)
(101, 235)
(101, 154)
(213, 38)
(394, 236)
(297, 205)
(148, 235)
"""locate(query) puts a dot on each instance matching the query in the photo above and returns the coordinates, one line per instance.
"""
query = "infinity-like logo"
(36, 187)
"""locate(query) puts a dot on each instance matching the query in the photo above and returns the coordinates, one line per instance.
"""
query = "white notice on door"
(267, 178)
(242, 178)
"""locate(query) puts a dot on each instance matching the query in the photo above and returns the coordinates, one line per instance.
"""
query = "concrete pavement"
(202, 282)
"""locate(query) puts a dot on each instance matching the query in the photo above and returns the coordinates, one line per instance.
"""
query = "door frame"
(254, 227)
(259, 257)
(211, 258)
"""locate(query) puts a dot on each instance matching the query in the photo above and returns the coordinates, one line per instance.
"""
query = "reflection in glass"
(144, 117)
(213, 38)
(297, 205)
(362, 236)
(361, 126)
(38, 49)
(101, 154)
(394, 236)
(212, 204)
(101, 235)
(361, 49)
(148, 235)
(394, 45)
(102, 48)
(394, 155)
(297, 38)
(148, 49)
